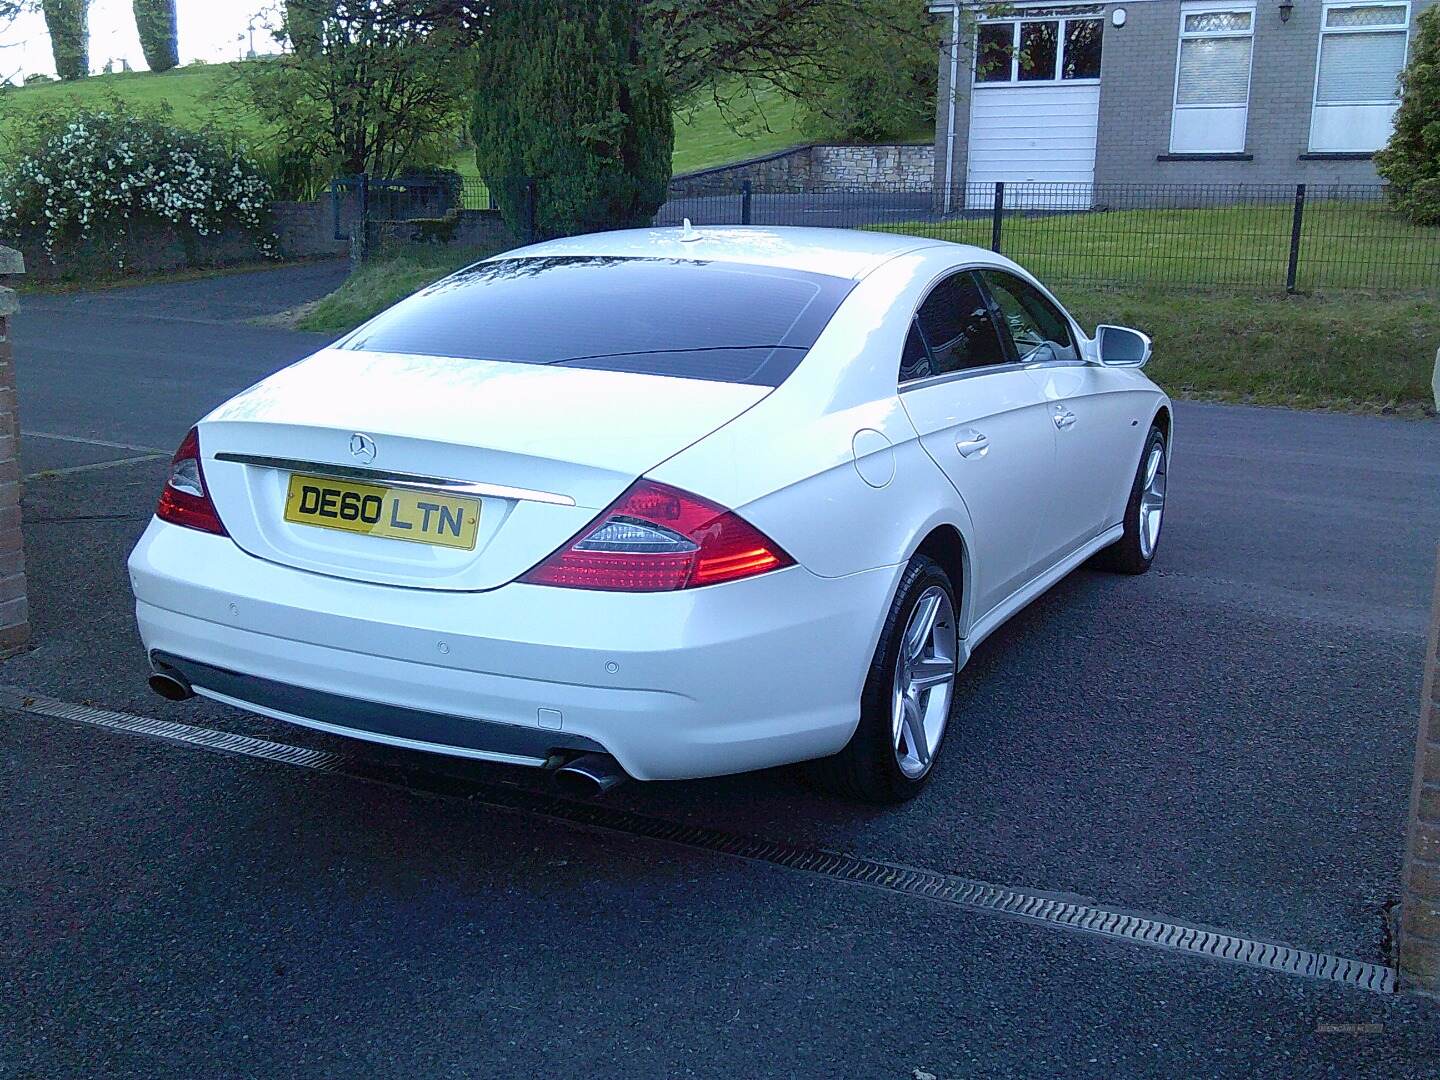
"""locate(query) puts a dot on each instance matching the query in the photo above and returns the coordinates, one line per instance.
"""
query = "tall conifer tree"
(571, 93)
(159, 33)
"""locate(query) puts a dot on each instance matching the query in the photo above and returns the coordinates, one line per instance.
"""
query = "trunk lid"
(546, 449)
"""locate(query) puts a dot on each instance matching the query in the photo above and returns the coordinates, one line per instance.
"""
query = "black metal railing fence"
(1281, 237)
(1294, 237)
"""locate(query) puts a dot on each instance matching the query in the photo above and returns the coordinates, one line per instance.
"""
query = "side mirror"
(1119, 346)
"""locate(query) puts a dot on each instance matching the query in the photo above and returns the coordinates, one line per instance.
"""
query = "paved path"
(134, 367)
(1225, 741)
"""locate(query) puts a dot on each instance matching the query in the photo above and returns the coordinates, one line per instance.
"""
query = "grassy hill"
(704, 138)
(196, 95)
(200, 94)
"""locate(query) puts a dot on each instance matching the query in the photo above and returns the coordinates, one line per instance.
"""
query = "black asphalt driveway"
(129, 370)
(1225, 741)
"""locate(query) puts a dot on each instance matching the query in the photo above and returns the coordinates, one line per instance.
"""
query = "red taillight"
(186, 500)
(656, 539)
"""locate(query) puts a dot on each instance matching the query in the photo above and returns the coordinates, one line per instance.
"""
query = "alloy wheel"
(1152, 500)
(924, 682)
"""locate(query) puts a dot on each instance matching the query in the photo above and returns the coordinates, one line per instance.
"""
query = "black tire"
(867, 768)
(1127, 555)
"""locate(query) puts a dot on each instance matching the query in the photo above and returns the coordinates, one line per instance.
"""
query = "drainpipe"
(950, 121)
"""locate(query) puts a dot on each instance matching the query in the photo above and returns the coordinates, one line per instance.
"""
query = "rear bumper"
(695, 683)
(393, 724)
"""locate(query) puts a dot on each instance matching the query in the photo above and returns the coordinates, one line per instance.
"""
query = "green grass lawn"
(1349, 351)
(199, 94)
(196, 95)
(381, 283)
(770, 121)
(1344, 245)
(1346, 350)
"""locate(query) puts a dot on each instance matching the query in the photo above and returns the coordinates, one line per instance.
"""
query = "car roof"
(848, 253)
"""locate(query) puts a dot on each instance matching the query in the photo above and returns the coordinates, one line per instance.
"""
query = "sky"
(209, 29)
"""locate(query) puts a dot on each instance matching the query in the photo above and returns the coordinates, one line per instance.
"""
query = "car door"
(1090, 415)
(984, 421)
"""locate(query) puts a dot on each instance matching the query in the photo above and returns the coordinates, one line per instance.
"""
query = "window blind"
(1214, 71)
(1360, 67)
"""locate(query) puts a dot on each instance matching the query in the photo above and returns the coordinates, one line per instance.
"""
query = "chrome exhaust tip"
(589, 776)
(170, 687)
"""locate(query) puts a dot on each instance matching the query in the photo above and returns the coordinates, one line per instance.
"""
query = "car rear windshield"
(725, 322)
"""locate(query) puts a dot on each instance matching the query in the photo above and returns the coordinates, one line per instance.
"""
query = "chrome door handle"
(974, 444)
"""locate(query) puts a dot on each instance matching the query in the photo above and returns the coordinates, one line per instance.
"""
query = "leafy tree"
(370, 87)
(873, 82)
(573, 93)
(159, 35)
(303, 25)
(69, 24)
(789, 44)
(1411, 160)
(706, 46)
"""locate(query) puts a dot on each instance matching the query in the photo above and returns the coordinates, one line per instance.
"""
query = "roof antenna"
(688, 234)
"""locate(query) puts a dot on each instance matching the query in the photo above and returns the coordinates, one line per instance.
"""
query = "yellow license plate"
(423, 517)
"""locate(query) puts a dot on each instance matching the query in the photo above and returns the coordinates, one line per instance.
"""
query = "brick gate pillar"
(14, 604)
(1420, 884)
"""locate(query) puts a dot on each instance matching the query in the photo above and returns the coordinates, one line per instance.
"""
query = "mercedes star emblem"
(362, 447)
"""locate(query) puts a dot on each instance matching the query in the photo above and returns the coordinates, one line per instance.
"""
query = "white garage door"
(1033, 135)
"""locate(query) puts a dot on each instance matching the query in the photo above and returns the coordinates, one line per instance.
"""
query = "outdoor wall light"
(1286, 7)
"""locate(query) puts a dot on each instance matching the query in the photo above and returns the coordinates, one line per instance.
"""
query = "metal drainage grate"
(927, 884)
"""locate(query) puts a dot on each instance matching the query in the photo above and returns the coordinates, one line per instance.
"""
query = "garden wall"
(306, 230)
(475, 228)
(149, 248)
(818, 168)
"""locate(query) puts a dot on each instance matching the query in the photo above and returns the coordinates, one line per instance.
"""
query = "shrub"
(1411, 161)
(571, 92)
(89, 177)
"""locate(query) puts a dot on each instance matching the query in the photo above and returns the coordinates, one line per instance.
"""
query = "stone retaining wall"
(904, 163)
(475, 228)
(148, 249)
(817, 168)
(305, 230)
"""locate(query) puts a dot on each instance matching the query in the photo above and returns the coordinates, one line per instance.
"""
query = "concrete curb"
(1435, 381)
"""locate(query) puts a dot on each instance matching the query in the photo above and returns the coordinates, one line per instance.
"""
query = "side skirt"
(997, 615)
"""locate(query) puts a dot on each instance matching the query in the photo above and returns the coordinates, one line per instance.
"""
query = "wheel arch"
(945, 543)
(1163, 421)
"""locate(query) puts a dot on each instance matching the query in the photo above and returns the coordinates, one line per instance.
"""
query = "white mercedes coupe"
(661, 503)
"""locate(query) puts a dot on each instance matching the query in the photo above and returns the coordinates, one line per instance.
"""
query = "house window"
(1212, 79)
(1362, 51)
(1039, 47)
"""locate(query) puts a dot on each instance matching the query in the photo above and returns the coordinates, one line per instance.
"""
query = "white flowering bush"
(107, 179)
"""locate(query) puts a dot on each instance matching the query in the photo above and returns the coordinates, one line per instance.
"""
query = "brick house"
(1168, 91)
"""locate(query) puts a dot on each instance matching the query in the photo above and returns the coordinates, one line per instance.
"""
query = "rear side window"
(957, 328)
(1037, 327)
(725, 322)
(915, 360)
